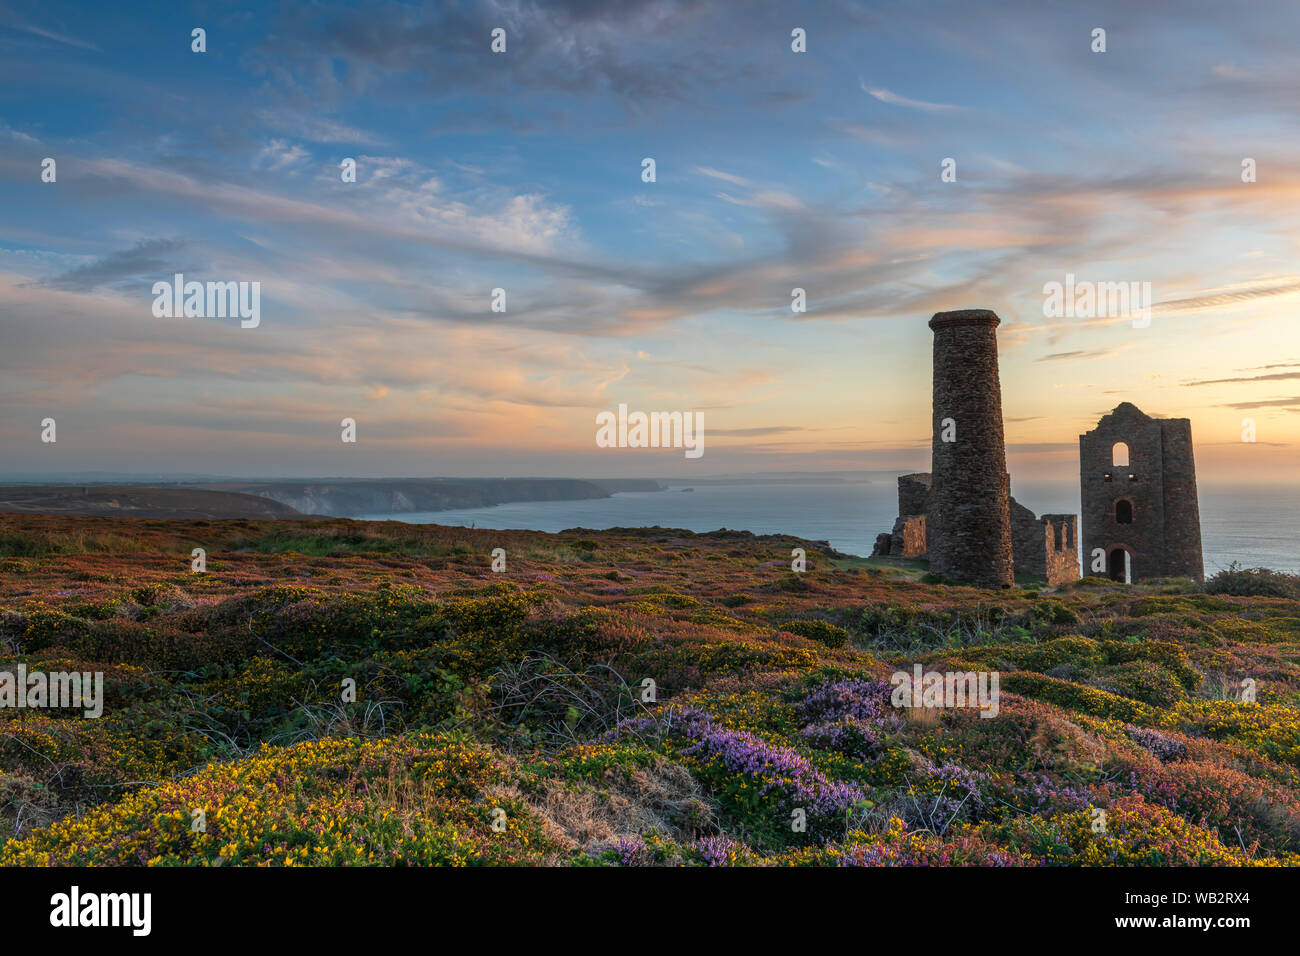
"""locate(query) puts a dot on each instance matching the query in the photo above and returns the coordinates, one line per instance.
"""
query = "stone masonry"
(1143, 513)
(968, 525)
(1137, 474)
(962, 516)
(1046, 547)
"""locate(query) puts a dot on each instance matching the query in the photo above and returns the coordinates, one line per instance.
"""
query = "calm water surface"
(1257, 525)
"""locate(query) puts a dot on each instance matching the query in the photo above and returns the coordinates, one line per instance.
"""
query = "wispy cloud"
(1293, 403)
(521, 172)
(1079, 355)
(149, 257)
(1275, 377)
(19, 135)
(279, 155)
(1230, 296)
(725, 177)
(894, 99)
(318, 129)
(8, 18)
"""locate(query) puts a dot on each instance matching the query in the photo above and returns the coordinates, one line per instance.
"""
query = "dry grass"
(662, 798)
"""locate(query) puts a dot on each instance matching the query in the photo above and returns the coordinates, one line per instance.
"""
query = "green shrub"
(1253, 582)
(1145, 681)
(1072, 696)
(824, 632)
(1077, 651)
(1052, 612)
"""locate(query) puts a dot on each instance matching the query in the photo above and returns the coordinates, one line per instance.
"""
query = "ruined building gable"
(1138, 488)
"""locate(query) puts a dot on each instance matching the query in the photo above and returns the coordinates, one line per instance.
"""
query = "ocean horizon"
(1253, 525)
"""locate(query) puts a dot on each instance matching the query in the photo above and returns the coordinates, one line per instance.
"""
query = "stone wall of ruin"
(1157, 489)
(1028, 549)
(908, 538)
(1183, 556)
(914, 493)
(1061, 548)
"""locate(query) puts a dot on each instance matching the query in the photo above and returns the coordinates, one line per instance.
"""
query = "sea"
(1253, 525)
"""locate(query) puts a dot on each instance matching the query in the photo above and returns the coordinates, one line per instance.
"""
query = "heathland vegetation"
(629, 697)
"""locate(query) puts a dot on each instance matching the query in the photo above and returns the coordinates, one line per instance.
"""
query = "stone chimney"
(969, 524)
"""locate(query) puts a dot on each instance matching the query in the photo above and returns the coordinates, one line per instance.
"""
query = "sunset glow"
(774, 172)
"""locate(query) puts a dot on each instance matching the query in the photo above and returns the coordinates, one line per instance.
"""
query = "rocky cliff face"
(615, 485)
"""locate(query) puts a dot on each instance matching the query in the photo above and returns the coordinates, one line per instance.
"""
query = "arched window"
(1119, 455)
(1123, 511)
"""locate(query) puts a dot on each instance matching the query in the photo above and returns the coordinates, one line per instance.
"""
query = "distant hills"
(199, 496)
(138, 502)
(346, 498)
(342, 497)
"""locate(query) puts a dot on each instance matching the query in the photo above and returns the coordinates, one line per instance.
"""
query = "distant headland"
(330, 497)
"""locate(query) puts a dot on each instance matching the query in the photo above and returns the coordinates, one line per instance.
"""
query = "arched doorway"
(1119, 565)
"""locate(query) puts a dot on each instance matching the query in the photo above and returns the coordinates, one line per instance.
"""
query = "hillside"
(499, 717)
(138, 502)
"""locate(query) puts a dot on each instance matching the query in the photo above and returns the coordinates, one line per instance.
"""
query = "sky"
(821, 170)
